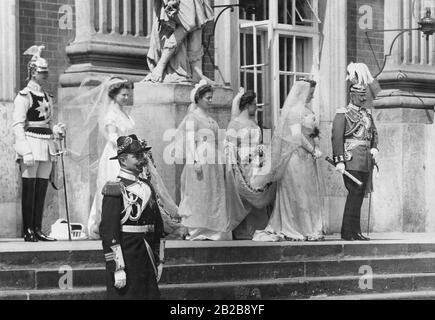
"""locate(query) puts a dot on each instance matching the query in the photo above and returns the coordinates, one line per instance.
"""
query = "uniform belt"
(359, 142)
(39, 135)
(34, 124)
(138, 229)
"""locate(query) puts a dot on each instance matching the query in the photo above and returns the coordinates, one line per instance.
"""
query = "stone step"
(94, 275)
(406, 286)
(297, 288)
(184, 252)
(407, 295)
(95, 293)
(248, 251)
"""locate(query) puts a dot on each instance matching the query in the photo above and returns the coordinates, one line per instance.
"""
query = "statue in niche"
(176, 50)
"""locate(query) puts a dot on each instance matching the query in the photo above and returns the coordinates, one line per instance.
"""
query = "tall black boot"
(27, 208)
(40, 194)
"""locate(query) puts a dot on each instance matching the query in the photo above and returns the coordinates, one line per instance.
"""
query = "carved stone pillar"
(403, 200)
(332, 93)
(111, 38)
(10, 193)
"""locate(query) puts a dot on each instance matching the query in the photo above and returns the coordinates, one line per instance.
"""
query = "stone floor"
(18, 245)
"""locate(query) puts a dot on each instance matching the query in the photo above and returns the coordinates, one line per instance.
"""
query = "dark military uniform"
(354, 134)
(131, 229)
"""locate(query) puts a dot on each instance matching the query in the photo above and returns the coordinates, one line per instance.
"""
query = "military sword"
(62, 153)
(347, 174)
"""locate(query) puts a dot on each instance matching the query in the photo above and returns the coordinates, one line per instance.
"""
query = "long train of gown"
(297, 213)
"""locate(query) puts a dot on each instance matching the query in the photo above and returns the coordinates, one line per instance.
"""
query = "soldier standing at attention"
(131, 228)
(35, 144)
(355, 149)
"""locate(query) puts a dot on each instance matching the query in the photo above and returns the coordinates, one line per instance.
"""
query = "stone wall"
(39, 24)
(358, 47)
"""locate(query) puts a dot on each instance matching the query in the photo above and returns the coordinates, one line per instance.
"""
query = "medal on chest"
(135, 198)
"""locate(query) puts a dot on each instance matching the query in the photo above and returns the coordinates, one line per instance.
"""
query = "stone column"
(10, 190)
(404, 115)
(227, 38)
(332, 87)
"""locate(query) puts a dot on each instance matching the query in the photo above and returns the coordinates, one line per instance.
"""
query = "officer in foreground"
(131, 228)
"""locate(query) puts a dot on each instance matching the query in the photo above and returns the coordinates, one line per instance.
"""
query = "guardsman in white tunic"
(35, 144)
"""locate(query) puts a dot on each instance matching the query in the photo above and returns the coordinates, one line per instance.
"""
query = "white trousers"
(41, 170)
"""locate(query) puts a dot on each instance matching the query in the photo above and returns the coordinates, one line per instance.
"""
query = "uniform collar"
(128, 175)
(34, 87)
(356, 108)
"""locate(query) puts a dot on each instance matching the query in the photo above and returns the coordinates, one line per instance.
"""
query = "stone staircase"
(233, 270)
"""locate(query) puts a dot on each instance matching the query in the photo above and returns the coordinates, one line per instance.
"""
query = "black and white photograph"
(226, 151)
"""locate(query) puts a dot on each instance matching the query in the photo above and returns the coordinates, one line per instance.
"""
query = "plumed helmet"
(36, 63)
(359, 73)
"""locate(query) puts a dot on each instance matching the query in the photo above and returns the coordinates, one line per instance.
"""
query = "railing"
(114, 18)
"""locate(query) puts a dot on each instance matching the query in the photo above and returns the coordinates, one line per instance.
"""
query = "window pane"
(260, 13)
(249, 45)
(286, 53)
(260, 98)
(246, 48)
(285, 85)
(304, 12)
(304, 54)
(285, 11)
(247, 81)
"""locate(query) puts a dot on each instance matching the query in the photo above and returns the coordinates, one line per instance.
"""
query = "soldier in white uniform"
(35, 144)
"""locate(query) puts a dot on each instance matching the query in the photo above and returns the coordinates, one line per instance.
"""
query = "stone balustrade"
(111, 38)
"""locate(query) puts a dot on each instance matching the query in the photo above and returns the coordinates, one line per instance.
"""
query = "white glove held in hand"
(375, 153)
(29, 160)
(317, 154)
(341, 167)
(120, 279)
(59, 129)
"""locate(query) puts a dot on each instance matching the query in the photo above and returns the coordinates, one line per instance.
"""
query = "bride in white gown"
(115, 122)
(105, 109)
(298, 209)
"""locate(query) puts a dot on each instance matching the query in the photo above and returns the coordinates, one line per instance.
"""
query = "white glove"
(317, 154)
(59, 130)
(120, 279)
(375, 153)
(113, 138)
(29, 160)
(198, 168)
(241, 92)
(341, 167)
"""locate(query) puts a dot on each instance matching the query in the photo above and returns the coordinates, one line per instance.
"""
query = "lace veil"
(287, 136)
(87, 113)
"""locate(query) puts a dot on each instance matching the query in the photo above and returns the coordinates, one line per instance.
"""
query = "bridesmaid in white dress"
(114, 122)
(203, 198)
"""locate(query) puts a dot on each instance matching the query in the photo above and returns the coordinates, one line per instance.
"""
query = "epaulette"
(341, 110)
(25, 91)
(112, 189)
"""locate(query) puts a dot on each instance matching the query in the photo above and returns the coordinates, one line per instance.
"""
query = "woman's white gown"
(108, 169)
